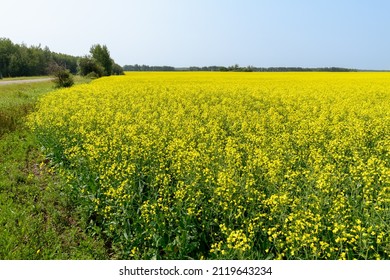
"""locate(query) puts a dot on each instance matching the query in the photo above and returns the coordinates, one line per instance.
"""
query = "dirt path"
(24, 81)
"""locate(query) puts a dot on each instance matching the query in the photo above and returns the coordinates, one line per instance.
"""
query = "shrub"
(92, 75)
(63, 78)
(88, 64)
(117, 69)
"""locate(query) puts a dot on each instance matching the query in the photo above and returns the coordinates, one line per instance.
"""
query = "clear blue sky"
(264, 33)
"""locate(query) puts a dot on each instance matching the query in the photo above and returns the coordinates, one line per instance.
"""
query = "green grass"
(16, 101)
(37, 219)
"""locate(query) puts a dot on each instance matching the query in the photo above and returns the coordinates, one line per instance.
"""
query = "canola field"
(227, 165)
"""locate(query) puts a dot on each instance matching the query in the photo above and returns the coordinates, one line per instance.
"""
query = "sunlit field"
(37, 220)
(227, 165)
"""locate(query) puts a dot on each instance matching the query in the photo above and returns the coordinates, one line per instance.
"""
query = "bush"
(92, 75)
(117, 69)
(63, 78)
(88, 65)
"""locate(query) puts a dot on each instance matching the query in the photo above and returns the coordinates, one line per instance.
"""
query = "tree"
(102, 56)
(19, 64)
(67, 61)
(117, 69)
(62, 76)
(21, 60)
(7, 48)
(89, 65)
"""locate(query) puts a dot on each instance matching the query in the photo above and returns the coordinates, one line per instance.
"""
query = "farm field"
(227, 165)
(37, 220)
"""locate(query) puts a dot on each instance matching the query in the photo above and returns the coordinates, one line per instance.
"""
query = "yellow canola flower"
(289, 165)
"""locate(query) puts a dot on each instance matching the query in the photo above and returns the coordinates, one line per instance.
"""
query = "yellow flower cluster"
(228, 165)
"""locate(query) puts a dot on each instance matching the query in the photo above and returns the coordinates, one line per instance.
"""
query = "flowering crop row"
(228, 165)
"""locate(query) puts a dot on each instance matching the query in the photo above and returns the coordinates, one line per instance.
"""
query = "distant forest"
(137, 67)
(235, 68)
(17, 60)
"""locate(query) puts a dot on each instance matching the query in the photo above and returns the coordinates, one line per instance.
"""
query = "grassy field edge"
(37, 218)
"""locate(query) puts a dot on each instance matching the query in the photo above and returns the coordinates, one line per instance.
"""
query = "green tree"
(117, 69)
(89, 65)
(7, 48)
(19, 64)
(68, 61)
(21, 60)
(102, 56)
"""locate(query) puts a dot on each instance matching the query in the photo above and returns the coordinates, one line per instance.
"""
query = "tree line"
(137, 67)
(235, 68)
(18, 60)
